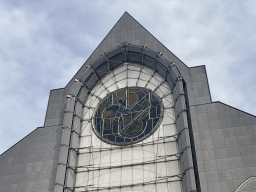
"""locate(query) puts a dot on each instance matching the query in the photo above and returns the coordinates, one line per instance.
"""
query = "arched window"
(246, 185)
(126, 111)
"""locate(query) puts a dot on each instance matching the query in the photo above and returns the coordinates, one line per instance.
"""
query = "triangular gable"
(127, 29)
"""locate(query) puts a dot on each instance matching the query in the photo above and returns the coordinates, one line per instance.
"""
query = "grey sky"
(44, 43)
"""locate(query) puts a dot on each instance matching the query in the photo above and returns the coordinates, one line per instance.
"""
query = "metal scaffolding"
(95, 164)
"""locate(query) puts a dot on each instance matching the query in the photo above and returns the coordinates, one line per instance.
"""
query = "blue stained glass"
(111, 137)
(140, 136)
(127, 116)
(119, 139)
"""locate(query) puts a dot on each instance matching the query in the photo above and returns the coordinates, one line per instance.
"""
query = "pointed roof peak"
(126, 13)
(129, 30)
(125, 16)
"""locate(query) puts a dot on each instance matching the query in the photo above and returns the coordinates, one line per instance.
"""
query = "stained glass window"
(127, 115)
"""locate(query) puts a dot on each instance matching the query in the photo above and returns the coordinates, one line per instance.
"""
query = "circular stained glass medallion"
(127, 115)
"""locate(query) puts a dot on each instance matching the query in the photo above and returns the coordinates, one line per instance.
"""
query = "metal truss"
(156, 181)
(155, 82)
(155, 142)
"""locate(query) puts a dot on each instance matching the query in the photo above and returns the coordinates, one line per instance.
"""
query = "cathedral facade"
(135, 118)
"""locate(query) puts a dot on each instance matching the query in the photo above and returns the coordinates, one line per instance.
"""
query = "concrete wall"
(225, 140)
(55, 108)
(31, 164)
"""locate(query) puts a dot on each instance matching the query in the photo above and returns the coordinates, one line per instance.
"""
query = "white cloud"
(31, 63)
(44, 43)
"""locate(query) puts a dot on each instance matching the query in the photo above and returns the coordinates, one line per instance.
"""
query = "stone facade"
(221, 139)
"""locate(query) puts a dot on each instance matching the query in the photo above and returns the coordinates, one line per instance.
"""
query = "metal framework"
(94, 165)
(127, 75)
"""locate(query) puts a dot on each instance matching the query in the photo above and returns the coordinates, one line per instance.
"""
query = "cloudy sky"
(44, 43)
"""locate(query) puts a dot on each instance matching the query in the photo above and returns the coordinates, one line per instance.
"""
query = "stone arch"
(247, 185)
(91, 76)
